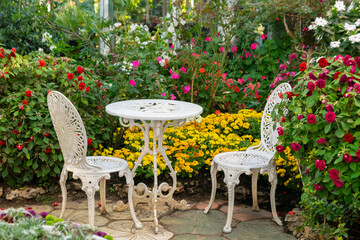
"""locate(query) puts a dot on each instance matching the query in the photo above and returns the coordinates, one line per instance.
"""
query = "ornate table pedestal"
(157, 115)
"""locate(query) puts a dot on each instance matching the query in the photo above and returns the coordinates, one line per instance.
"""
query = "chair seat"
(106, 165)
(243, 160)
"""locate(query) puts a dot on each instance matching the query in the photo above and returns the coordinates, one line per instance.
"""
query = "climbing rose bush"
(322, 128)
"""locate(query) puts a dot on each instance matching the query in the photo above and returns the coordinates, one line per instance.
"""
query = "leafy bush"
(29, 150)
(322, 129)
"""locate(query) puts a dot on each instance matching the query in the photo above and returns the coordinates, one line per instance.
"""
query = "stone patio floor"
(176, 224)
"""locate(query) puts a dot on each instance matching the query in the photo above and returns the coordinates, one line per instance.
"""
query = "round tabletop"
(154, 109)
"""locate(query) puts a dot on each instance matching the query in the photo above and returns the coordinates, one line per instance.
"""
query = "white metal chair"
(257, 159)
(72, 138)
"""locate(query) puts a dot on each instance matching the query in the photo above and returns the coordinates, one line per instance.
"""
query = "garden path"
(176, 225)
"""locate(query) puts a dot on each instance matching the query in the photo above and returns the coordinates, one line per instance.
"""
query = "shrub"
(29, 150)
(322, 129)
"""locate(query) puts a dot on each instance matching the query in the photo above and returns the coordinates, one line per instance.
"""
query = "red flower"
(81, 85)
(280, 131)
(318, 187)
(338, 183)
(336, 75)
(280, 148)
(55, 204)
(87, 89)
(290, 95)
(24, 102)
(283, 120)
(98, 83)
(80, 78)
(70, 76)
(217, 112)
(302, 66)
(280, 95)
(42, 63)
(333, 174)
(21, 107)
(236, 89)
(323, 62)
(322, 141)
(311, 86)
(202, 70)
(311, 118)
(12, 54)
(16, 132)
(347, 158)
(98, 107)
(2, 142)
(47, 150)
(28, 93)
(89, 141)
(47, 134)
(330, 117)
(79, 70)
(348, 138)
(13, 50)
(320, 164)
(295, 146)
(321, 83)
(19, 146)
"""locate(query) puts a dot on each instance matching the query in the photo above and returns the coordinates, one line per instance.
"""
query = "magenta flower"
(280, 148)
(295, 146)
(311, 86)
(183, 69)
(300, 116)
(163, 94)
(311, 118)
(318, 187)
(321, 141)
(253, 46)
(221, 49)
(158, 59)
(240, 81)
(338, 183)
(175, 76)
(132, 83)
(247, 54)
(172, 97)
(208, 39)
(263, 77)
(333, 174)
(320, 164)
(312, 76)
(172, 46)
(292, 56)
(347, 158)
(329, 108)
(135, 63)
(280, 131)
(263, 36)
(330, 117)
(187, 89)
(234, 49)
(283, 66)
(321, 83)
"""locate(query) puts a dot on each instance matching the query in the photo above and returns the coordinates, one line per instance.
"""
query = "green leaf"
(327, 128)
(35, 165)
(339, 133)
(37, 129)
(28, 163)
(5, 173)
(353, 166)
(16, 169)
(355, 174)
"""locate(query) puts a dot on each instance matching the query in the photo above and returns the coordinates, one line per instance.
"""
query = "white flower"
(137, 39)
(176, 23)
(46, 37)
(349, 27)
(357, 23)
(171, 28)
(182, 21)
(350, 7)
(116, 25)
(40, 50)
(133, 26)
(354, 38)
(312, 27)
(52, 47)
(146, 28)
(335, 44)
(319, 21)
(339, 5)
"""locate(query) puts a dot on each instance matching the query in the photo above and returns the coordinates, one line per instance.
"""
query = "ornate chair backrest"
(69, 129)
(269, 135)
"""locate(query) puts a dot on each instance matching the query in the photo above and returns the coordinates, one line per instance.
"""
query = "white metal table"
(158, 115)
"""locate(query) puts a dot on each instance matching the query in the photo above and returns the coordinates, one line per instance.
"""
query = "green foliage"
(29, 150)
(329, 154)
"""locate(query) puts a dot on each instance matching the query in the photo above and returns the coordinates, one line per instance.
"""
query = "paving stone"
(244, 213)
(195, 222)
(56, 213)
(259, 229)
(121, 215)
(76, 204)
(203, 205)
(125, 230)
(197, 237)
(40, 208)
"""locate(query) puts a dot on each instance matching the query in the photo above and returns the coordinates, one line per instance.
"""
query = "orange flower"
(217, 112)
(201, 70)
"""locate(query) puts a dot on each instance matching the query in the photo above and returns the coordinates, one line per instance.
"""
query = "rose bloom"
(321, 83)
(295, 146)
(202, 70)
(70, 76)
(81, 85)
(333, 174)
(236, 89)
(329, 108)
(323, 75)
(321, 141)
(323, 62)
(42, 63)
(80, 78)
(348, 138)
(312, 76)
(28, 93)
(280, 131)
(79, 70)
(302, 66)
(311, 86)
(330, 117)
(299, 117)
(336, 75)
(280, 148)
(320, 164)
(318, 187)
(311, 118)
(89, 141)
(338, 183)
(347, 158)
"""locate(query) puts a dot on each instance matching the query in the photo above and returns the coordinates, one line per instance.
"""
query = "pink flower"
(221, 49)
(175, 76)
(312, 76)
(295, 146)
(280, 131)
(338, 183)
(311, 86)
(247, 54)
(172, 46)
(321, 83)
(347, 158)
(280, 148)
(135, 63)
(292, 56)
(318, 187)
(158, 59)
(240, 81)
(172, 97)
(272, 85)
(283, 66)
(329, 108)
(330, 117)
(321, 141)
(163, 94)
(193, 40)
(263, 36)
(320, 164)
(132, 83)
(292, 74)
(299, 117)
(208, 39)
(234, 49)
(187, 89)
(263, 77)
(333, 174)
(183, 69)
(311, 118)
(253, 46)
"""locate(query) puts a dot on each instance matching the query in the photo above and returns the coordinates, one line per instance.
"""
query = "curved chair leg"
(273, 182)
(255, 206)
(213, 172)
(231, 195)
(130, 181)
(63, 178)
(103, 196)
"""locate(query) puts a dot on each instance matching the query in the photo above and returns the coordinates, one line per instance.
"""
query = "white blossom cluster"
(46, 37)
(354, 38)
(335, 44)
(133, 27)
(319, 21)
(349, 27)
(339, 5)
